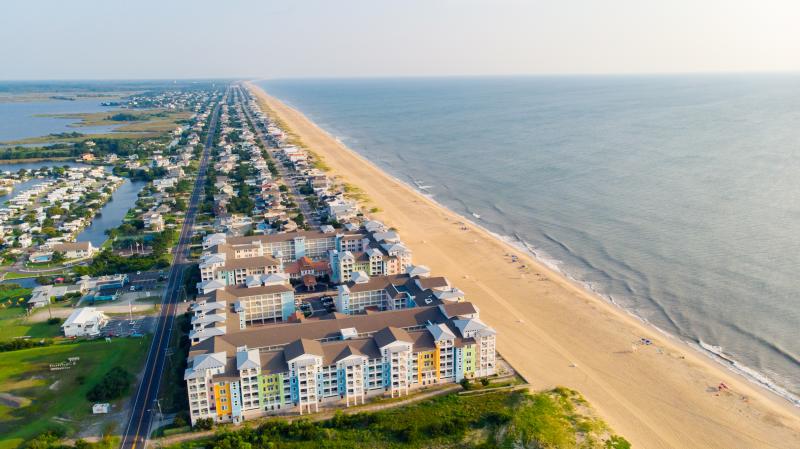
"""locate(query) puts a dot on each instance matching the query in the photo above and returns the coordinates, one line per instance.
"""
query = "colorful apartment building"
(371, 249)
(295, 367)
(232, 264)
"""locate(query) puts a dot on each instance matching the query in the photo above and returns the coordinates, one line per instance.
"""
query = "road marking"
(170, 306)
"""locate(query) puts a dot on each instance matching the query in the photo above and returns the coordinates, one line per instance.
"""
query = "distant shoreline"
(35, 159)
(556, 333)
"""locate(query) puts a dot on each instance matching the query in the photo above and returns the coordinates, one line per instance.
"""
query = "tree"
(180, 204)
(183, 186)
(58, 257)
(50, 231)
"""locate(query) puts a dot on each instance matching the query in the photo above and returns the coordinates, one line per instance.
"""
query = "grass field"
(14, 323)
(45, 400)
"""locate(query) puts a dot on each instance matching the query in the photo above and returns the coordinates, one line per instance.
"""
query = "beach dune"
(658, 395)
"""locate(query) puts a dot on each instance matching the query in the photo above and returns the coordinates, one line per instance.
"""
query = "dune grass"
(558, 418)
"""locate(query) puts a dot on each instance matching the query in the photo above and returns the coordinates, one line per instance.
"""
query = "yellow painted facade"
(427, 361)
(222, 398)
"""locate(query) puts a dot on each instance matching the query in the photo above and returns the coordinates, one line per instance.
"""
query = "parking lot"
(146, 280)
(123, 327)
(317, 305)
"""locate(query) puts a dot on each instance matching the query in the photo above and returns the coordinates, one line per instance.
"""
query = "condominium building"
(342, 360)
(232, 264)
(393, 292)
(378, 252)
(265, 298)
(287, 247)
(302, 254)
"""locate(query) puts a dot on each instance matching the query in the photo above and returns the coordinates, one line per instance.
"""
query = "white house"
(42, 294)
(76, 250)
(84, 322)
(163, 184)
(154, 221)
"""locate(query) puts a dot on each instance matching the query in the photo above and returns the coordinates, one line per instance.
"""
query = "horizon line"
(356, 77)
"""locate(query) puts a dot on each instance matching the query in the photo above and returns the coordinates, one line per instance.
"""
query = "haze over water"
(676, 196)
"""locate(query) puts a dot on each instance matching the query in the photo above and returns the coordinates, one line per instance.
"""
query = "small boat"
(476, 215)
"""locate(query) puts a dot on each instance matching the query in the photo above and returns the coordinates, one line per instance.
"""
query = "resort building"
(340, 361)
(232, 264)
(394, 292)
(377, 252)
(265, 298)
(287, 247)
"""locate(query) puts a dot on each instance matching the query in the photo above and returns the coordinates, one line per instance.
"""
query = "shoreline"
(714, 353)
(655, 396)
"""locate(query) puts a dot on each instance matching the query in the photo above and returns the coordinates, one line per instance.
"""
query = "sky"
(111, 39)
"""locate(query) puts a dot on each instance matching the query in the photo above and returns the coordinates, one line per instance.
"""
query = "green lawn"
(14, 275)
(13, 320)
(53, 400)
(14, 323)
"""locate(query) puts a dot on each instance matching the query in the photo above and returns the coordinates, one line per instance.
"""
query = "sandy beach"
(659, 395)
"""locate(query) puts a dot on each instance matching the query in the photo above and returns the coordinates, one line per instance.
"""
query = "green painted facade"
(469, 359)
(270, 389)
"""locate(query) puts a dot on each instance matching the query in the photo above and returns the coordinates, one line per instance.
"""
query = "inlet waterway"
(110, 215)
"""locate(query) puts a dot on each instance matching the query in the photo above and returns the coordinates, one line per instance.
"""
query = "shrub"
(617, 442)
(112, 386)
(204, 424)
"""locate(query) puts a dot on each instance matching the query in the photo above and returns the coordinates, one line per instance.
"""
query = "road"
(144, 400)
(302, 204)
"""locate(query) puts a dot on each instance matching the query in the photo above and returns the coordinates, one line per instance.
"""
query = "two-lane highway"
(143, 401)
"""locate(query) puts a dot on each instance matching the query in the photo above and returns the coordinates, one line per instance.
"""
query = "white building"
(75, 250)
(84, 322)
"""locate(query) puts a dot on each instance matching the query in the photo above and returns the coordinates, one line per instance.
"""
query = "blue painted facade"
(458, 364)
(294, 387)
(236, 400)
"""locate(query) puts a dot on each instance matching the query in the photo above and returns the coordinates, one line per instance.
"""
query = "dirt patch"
(12, 401)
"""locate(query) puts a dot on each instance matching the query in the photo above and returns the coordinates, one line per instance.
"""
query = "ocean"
(676, 197)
